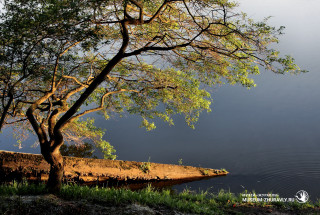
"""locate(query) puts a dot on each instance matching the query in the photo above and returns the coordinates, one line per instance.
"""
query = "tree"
(151, 58)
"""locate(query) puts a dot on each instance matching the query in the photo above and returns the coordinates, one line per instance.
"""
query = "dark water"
(267, 137)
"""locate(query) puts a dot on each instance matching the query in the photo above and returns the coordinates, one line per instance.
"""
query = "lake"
(268, 137)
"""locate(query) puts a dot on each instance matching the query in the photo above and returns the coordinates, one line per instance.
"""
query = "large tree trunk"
(56, 173)
(55, 159)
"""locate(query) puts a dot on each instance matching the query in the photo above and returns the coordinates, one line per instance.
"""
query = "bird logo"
(302, 196)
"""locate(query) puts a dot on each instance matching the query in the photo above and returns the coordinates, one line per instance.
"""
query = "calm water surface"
(267, 137)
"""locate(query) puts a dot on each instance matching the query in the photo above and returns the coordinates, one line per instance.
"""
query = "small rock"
(269, 211)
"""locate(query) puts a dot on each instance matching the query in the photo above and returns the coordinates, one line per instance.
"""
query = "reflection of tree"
(61, 60)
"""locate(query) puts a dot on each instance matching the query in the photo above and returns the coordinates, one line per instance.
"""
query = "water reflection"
(138, 185)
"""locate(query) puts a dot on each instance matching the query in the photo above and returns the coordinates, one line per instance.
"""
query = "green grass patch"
(203, 202)
(24, 188)
(184, 202)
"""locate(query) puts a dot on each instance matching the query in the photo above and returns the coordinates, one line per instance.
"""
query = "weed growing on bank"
(202, 202)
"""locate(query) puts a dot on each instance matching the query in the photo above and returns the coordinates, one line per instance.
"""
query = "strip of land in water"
(33, 167)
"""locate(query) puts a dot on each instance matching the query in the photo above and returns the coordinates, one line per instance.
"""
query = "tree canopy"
(60, 60)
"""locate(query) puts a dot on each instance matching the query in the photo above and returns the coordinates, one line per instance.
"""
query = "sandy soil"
(34, 167)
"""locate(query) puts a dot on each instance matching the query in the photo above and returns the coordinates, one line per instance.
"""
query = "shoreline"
(33, 167)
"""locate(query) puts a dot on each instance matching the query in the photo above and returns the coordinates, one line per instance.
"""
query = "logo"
(302, 196)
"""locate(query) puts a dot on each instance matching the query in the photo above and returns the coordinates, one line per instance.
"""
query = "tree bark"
(5, 110)
(55, 159)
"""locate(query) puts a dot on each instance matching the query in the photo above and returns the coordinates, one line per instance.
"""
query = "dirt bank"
(17, 166)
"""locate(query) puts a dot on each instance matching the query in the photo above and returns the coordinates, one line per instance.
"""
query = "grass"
(187, 201)
(184, 202)
(205, 172)
(224, 170)
(24, 188)
(145, 166)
